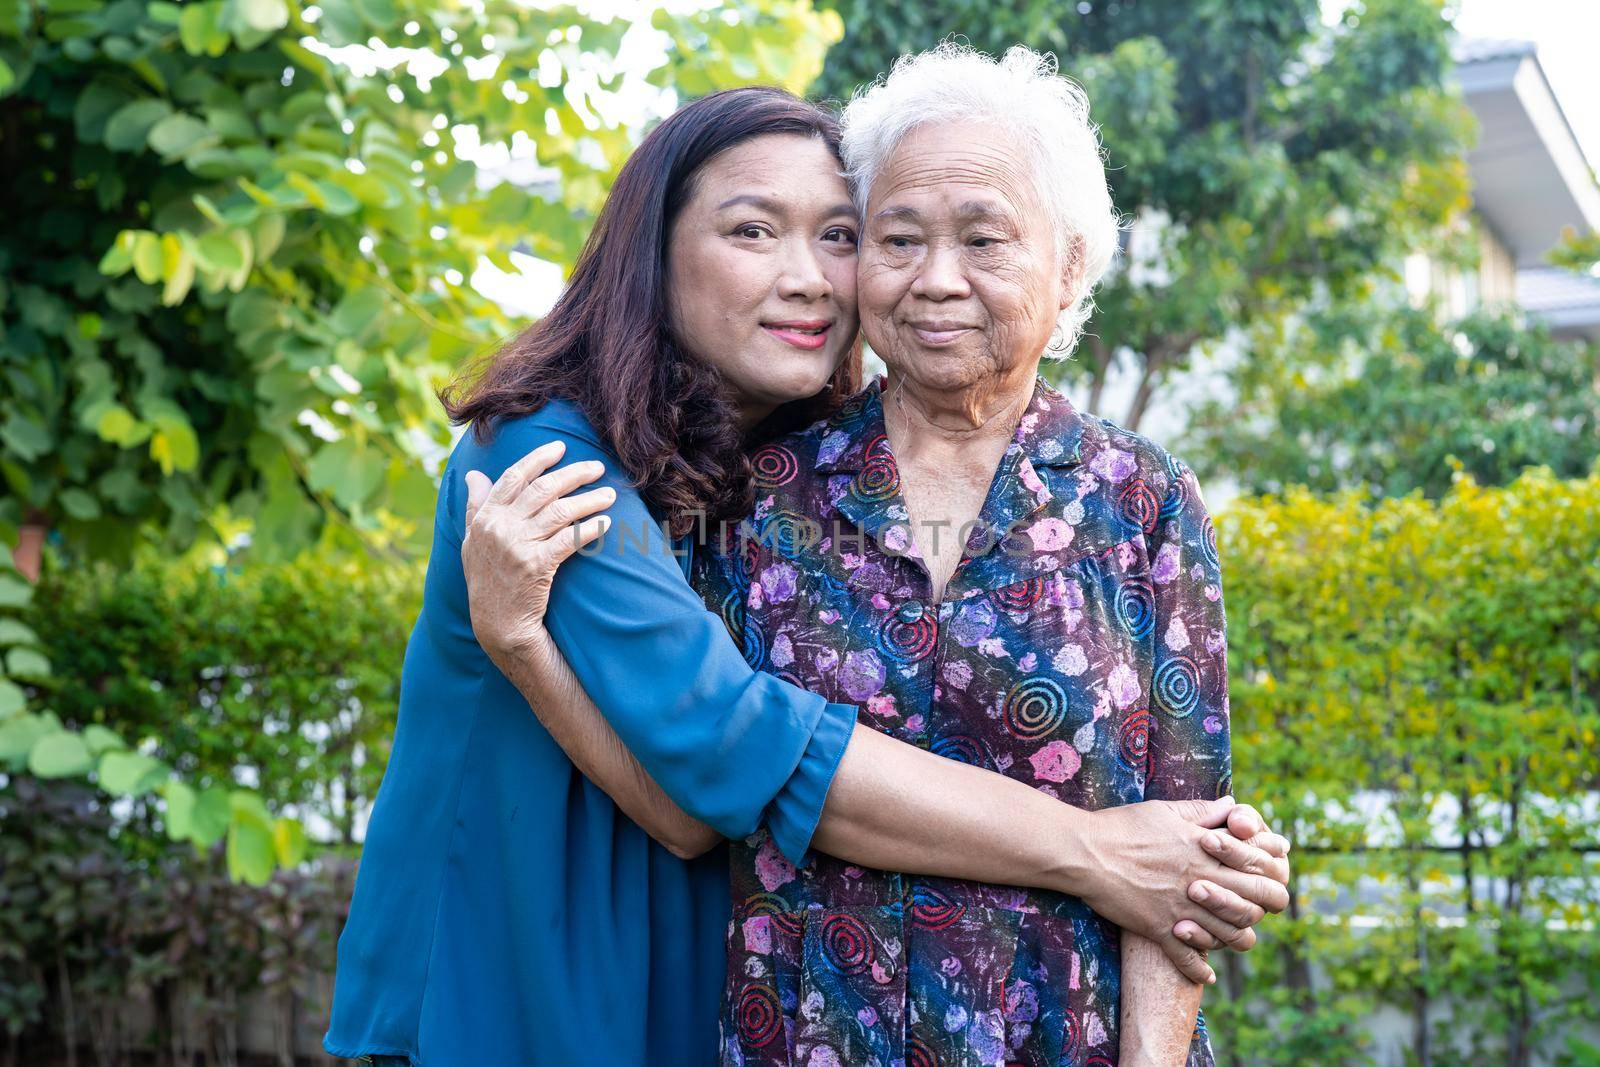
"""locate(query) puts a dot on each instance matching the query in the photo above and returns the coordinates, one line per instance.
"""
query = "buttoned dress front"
(1080, 648)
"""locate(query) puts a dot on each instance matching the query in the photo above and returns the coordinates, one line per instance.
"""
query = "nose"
(940, 276)
(802, 277)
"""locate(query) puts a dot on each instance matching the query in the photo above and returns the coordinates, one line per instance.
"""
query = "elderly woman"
(1023, 602)
(999, 578)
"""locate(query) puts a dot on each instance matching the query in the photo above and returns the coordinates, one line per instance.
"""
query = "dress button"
(911, 611)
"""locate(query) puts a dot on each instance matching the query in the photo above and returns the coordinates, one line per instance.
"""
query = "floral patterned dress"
(1080, 648)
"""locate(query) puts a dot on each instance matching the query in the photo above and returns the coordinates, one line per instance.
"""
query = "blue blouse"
(505, 911)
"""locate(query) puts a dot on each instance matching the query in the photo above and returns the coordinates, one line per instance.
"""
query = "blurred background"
(245, 240)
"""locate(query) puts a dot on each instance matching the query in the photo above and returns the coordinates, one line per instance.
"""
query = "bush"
(284, 677)
(1416, 698)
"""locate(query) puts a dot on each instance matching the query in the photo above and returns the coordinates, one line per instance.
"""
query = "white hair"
(1022, 94)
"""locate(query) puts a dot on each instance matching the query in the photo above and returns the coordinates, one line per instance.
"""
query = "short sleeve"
(1191, 754)
(733, 747)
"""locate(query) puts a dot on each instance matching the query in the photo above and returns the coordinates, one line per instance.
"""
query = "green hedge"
(1439, 659)
(282, 677)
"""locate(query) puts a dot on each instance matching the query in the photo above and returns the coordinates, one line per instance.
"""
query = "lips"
(938, 334)
(809, 334)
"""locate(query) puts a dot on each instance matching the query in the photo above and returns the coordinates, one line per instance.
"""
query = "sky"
(1567, 33)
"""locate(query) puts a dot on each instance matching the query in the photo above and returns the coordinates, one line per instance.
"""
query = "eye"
(840, 233)
(752, 231)
(898, 242)
(984, 242)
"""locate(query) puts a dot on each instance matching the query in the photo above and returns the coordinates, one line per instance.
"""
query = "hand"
(1143, 858)
(519, 530)
(1246, 845)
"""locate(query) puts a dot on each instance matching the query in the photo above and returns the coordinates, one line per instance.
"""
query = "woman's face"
(761, 269)
(960, 280)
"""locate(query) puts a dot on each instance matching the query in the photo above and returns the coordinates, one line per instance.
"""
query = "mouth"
(939, 334)
(809, 334)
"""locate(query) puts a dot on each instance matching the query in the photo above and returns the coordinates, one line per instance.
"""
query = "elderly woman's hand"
(518, 532)
(1150, 862)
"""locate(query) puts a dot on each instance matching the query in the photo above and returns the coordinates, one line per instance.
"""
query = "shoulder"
(1119, 456)
(508, 440)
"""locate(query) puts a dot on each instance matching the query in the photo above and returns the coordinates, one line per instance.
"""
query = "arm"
(888, 804)
(542, 676)
(1190, 752)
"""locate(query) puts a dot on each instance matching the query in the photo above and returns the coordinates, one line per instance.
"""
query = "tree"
(1391, 400)
(1269, 161)
(236, 267)
(241, 233)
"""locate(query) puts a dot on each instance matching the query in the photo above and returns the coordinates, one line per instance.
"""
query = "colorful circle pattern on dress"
(961, 748)
(1208, 542)
(1133, 742)
(932, 910)
(908, 642)
(1035, 707)
(877, 481)
(776, 909)
(847, 944)
(773, 467)
(1138, 505)
(1136, 607)
(1177, 686)
(760, 1018)
(918, 1054)
(1018, 596)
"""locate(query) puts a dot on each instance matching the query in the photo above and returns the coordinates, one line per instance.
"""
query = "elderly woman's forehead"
(975, 175)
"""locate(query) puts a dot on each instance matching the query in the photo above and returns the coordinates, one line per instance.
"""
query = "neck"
(960, 422)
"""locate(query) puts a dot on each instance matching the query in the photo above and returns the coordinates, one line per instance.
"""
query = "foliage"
(1416, 702)
(1394, 400)
(281, 676)
(1578, 251)
(93, 743)
(1269, 162)
(241, 236)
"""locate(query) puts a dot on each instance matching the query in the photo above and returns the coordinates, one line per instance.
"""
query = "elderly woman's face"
(959, 276)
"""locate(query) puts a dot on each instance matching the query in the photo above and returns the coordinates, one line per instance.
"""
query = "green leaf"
(28, 664)
(251, 853)
(60, 755)
(177, 266)
(12, 699)
(217, 251)
(289, 842)
(178, 133)
(101, 740)
(16, 632)
(117, 425)
(180, 809)
(80, 504)
(147, 257)
(212, 814)
(15, 592)
(264, 15)
(198, 29)
(128, 129)
(130, 773)
(18, 736)
(347, 471)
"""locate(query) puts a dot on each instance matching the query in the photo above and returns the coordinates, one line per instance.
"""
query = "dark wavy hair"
(608, 345)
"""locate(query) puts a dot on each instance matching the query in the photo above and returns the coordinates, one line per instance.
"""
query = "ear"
(1071, 273)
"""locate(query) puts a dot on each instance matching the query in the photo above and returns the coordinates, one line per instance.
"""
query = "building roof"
(1531, 178)
(1568, 301)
